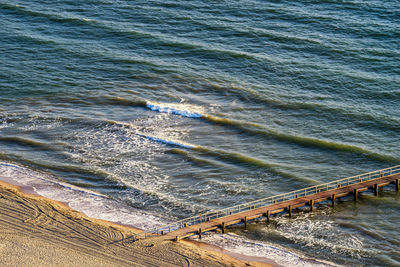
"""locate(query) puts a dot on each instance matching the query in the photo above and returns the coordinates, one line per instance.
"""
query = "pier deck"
(281, 203)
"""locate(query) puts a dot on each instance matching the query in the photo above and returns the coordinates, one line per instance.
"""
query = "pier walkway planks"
(284, 206)
(286, 202)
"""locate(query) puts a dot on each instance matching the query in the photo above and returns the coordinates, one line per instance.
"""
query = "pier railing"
(269, 201)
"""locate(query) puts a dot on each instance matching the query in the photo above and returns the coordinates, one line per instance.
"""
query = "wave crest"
(256, 129)
(171, 109)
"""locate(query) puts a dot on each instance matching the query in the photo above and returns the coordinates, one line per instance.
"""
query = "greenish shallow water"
(145, 112)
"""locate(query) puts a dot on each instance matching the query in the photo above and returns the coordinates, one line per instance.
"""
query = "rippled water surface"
(145, 112)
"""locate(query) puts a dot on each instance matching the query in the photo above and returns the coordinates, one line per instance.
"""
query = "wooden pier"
(281, 203)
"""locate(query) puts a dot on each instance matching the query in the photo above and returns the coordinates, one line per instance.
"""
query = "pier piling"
(276, 204)
(355, 193)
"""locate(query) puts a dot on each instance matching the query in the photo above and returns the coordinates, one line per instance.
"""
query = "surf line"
(167, 142)
(151, 137)
(41, 175)
(162, 108)
(254, 128)
(172, 110)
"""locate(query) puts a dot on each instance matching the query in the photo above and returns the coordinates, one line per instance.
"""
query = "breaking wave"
(257, 129)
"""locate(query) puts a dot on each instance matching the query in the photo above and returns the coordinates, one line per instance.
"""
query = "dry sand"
(35, 231)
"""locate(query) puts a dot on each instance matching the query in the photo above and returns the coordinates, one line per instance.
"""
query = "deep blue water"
(169, 109)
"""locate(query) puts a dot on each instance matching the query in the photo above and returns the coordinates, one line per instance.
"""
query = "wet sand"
(36, 231)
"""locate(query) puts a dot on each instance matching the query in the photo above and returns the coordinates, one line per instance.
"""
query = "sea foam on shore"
(243, 246)
(91, 203)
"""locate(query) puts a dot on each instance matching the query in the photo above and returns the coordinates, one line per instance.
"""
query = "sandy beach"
(36, 231)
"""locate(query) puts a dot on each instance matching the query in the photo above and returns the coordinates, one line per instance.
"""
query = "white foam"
(89, 202)
(158, 139)
(168, 142)
(177, 109)
(4, 123)
(317, 233)
(307, 230)
(241, 245)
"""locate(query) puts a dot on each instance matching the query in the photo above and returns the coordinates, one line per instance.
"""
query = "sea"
(147, 112)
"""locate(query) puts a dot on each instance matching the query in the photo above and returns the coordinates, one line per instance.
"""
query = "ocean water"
(146, 112)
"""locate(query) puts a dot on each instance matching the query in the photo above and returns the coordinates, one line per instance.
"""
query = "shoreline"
(29, 190)
(37, 222)
(241, 257)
